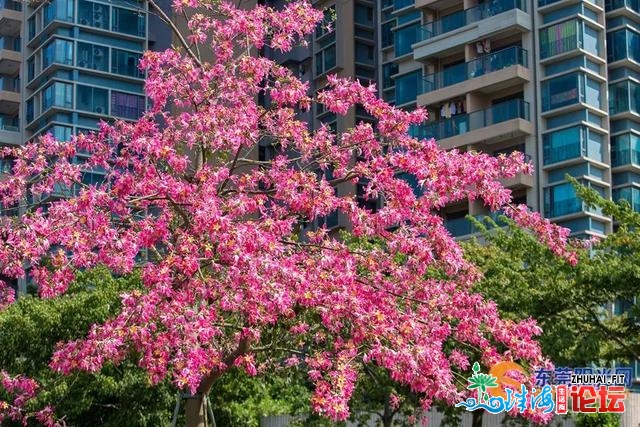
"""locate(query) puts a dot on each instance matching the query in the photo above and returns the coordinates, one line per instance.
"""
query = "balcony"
(487, 74)
(466, 26)
(10, 56)
(514, 109)
(10, 17)
(563, 207)
(9, 95)
(610, 5)
(459, 227)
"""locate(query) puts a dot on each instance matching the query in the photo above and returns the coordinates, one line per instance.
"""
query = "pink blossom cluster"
(217, 234)
(21, 392)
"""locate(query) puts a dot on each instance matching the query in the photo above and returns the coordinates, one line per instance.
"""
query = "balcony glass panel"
(558, 39)
(504, 58)
(127, 105)
(9, 123)
(468, 16)
(561, 91)
(93, 56)
(59, 10)
(625, 149)
(92, 99)
(407, 87)
(561, 200)
(92, 14)
(58, 94)
(571, 143)
(630, 194)
(404, 38)
(463, 123)
(126, 63)
(58, 51)
(11, 5)
(623, 97)
(623, 44)
(128, 22)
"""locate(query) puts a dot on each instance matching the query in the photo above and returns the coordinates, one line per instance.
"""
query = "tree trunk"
(195, 411)
(387, 416)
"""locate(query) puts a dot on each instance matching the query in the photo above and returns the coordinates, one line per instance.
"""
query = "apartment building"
(10, 62)
(505, 75)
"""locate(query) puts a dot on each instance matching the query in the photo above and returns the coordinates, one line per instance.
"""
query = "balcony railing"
(484, 64)
(468, 16)
(463, 123)
(10, 84)
(463, 226)
(563, 207)
(11, 5)
(10, 43)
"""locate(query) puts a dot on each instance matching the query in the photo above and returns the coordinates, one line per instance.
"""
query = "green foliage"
(598, 420)
(239, 400)
(116, 396)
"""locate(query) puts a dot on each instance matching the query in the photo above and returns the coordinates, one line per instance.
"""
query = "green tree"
(116, 396)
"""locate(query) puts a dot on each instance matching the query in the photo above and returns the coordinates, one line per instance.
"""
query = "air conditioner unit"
(84, 21)
(83, 64)
(97, 52)
(97, 8)
(98, 23)
(99, 110)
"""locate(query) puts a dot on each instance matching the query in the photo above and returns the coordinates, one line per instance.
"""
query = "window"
(93, 56)
(625, 149)
(57, 94)
(364, 53)
(389, 70)
(60, 133)
(571, 143)
(92, 99)
(561, 91)
(127, 105)
(31, 24)
(624, 96)
(326, 57)
(623, 44)
(561, 200)
(630, 194)
(387, 34)
(128, 22)
(558, 38)
(60, 10)
(126, 63)
(364, 15)
(31, 69)
(94, 15)
(58, 51)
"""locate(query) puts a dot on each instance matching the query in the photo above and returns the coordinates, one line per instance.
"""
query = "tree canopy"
(229, 276)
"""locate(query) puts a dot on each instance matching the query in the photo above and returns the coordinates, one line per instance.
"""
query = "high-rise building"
(532, 76)
(10, 60)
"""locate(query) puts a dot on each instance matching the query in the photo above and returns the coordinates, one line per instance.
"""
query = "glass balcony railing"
(619, 4)
(463, 226)
(563, 207)
(11, 5)
(625, 157)
(10, 84)
(10, 43)
(468, 16)
(8, 123)
(463, 123)
(484, 64)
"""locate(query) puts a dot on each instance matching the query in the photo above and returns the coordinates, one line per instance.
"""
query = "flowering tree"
(217, 233)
